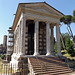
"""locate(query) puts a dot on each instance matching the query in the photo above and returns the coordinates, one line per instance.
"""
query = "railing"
(71, 65)
(23, 69)
(6, 69)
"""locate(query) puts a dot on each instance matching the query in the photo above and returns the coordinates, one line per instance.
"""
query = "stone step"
(56, 66)
(49, 66)
(49, 73)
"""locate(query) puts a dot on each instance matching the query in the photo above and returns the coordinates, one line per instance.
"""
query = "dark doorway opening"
(31, 38)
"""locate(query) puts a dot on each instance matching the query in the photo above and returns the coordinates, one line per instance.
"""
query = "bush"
(2, 56)
(55, 48)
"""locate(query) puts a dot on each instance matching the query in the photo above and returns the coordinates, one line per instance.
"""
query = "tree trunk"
(62, 40)
(70, 30)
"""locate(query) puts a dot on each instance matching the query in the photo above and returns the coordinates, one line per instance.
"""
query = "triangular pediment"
(44, 10)
(42, 7)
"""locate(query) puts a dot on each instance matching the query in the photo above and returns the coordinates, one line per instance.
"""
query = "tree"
(55, 47)
(3, 56)
(69, 45)
(74, 39)
(67, 19)
(1, 44)
(73, 17)
(74, 13)
(62, 41)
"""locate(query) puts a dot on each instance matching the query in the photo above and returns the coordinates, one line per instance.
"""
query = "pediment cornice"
(41, 13)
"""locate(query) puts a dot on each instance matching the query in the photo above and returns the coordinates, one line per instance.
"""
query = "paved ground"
(73, 73)
(5, 74)
(64, 74)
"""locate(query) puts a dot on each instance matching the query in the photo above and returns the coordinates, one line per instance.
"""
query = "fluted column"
(47, 39)
(23, 26)
(58, 40)
(52, 40)
(36, 38)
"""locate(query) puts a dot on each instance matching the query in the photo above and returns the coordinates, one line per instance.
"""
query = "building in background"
(10, 43)
(3, 47)
(5, 41)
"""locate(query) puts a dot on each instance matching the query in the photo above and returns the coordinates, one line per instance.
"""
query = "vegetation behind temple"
(69, 45)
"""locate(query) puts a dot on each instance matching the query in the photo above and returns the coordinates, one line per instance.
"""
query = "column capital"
(48, 22)
(51, 26)
(36, 20)
(24, 18)
(58, 24)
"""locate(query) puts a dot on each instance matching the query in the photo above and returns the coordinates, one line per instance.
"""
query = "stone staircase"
(48, 66)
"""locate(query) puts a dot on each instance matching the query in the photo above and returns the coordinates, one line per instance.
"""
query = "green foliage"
(71, 50)
(67, 19)
(73, 19)
(55, 47)
(62, 19)
(74, 13)
(62, 48)
(2, 56)
(1, 44)
(74, 39)
(69, 46)
(67, 42)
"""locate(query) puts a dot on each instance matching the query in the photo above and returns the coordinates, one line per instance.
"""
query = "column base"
(59, 54)
(53, 53)
(48, 54)
(36, 54)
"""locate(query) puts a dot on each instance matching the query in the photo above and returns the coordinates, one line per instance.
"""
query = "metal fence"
(6, 69)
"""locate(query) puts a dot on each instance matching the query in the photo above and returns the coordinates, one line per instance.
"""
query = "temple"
(33, 30)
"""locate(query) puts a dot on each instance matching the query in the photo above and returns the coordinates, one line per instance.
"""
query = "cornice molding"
(40, 12)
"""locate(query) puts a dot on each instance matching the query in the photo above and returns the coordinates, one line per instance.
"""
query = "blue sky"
(9, 7)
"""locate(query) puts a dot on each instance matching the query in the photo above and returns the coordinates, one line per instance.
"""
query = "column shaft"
(36, 39)
(52, 40)
(58, 41)
(47, 39)
(23, 26)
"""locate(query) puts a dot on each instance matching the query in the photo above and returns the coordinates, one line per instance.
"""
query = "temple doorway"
(31, 38)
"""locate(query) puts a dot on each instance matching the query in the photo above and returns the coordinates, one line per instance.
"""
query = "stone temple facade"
(33, 30)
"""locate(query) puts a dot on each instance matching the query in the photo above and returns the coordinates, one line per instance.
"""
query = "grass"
(67, 55)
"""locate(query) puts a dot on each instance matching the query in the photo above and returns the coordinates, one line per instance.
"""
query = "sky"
(8, 9)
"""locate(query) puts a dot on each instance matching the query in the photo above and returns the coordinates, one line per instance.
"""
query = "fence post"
(1, 69)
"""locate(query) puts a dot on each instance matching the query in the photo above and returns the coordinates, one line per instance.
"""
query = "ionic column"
(47, 39)
(58, 40)
(52, 40)
(36, 39)
(23, 26)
